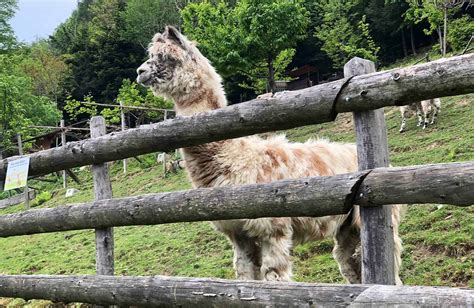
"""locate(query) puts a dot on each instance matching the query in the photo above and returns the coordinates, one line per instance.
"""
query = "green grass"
(439, 244)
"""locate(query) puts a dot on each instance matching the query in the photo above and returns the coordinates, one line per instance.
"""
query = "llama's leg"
(276, 262)
(434, 116)
(426, 116)
(397, 249)
(347, 250)
(275, 235)
(246, 257)
(420, 118)
(404, 122)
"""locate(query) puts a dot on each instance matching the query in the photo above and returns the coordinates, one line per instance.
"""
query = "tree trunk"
(404, 44)
(271, 75)
(412, 41)
(445, 31)
(4, 110)
(440, 38)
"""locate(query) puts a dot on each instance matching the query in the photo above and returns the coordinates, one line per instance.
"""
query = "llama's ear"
(175, 36)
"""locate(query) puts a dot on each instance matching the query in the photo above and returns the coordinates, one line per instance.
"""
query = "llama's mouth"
(145, 80)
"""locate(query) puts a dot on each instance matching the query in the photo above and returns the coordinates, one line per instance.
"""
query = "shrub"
(460, 31)
(43, 197)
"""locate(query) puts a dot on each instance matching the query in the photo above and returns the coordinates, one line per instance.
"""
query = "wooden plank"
(73, 176)
(162, 291)
(451, 183)
(56, 128)
(290, 109)
(283, 198)
(104, 237)
(376, 232)
(288, 198)
(17, 199)
(127, 107)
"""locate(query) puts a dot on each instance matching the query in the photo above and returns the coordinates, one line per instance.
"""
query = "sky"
(38, 18)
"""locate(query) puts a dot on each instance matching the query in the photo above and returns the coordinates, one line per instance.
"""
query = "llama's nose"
(140, 71)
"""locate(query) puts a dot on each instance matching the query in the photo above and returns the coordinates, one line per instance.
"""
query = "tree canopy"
(93, 55)
(252, 36)
(7, 37)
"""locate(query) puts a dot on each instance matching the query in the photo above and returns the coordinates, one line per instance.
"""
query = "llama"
(423, 110)
(262, 247)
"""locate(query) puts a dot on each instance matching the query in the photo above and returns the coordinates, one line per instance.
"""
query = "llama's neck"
(206, 94)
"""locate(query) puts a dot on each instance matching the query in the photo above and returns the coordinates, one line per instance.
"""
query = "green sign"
(17, 173)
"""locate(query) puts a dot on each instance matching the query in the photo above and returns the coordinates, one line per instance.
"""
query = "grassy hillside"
(438, 241)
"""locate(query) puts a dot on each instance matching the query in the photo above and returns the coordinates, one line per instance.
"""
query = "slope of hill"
(438, 241)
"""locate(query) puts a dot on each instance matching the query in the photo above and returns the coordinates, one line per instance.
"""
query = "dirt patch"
(464, 250)
(434, 145)
(463, 102)
(344, 122)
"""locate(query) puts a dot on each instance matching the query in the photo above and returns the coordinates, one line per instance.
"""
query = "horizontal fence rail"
(160, 291)
(451, 183)
(317, 104)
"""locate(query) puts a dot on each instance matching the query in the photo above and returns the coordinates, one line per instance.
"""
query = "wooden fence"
(373, 189)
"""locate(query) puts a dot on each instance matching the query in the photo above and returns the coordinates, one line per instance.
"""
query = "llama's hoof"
(272, 276)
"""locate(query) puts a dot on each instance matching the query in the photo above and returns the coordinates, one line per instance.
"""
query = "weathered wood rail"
(160, 291)
(315, 196)
(17, 199)
(313, 105)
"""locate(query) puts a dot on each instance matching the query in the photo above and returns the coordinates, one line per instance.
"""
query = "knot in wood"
(395, 76)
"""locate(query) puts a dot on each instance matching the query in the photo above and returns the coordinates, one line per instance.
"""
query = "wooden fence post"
(63, 143)
(122, 118)
(372, 151)
(27, 190)
(104, 238)
(164, 164)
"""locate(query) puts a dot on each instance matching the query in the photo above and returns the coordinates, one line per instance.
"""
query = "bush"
(460, 31)
(43, 197)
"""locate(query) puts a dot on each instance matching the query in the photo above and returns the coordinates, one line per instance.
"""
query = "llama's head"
(176, 69)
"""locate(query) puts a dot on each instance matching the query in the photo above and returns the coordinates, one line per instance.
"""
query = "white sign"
(17, 173)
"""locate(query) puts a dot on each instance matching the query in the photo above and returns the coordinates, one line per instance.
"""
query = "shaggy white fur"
(262, 247)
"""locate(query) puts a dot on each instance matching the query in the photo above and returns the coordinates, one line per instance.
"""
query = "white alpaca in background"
(423, 110)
